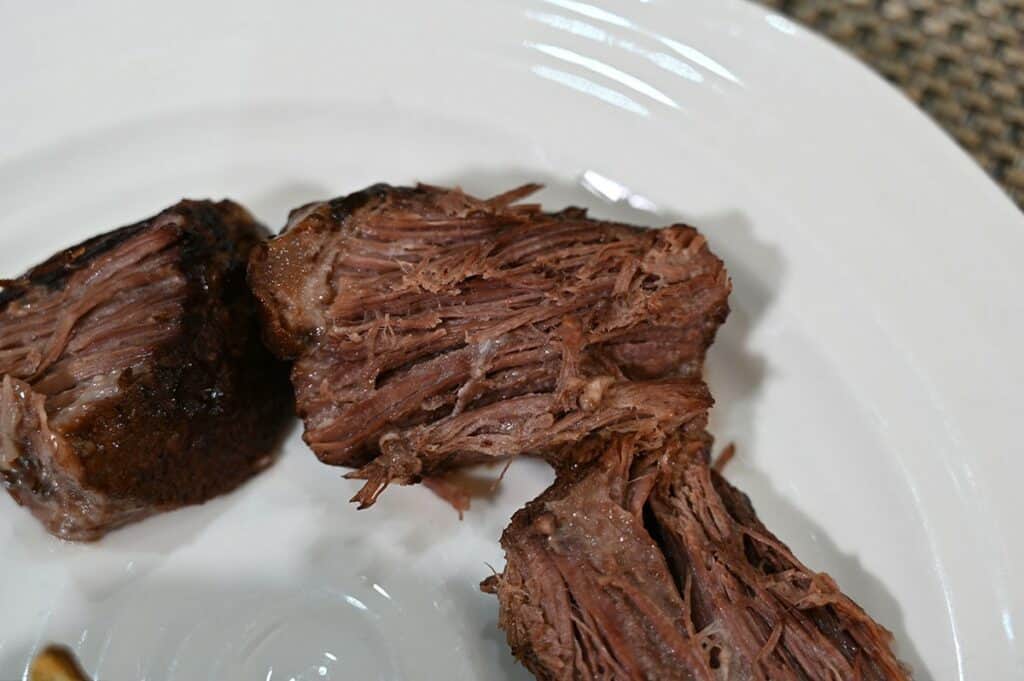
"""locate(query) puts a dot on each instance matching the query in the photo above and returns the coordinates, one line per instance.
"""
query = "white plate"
(870, 372)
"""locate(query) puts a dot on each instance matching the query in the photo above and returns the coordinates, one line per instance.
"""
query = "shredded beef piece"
(646, 564)
(431, 329)
(765, 613)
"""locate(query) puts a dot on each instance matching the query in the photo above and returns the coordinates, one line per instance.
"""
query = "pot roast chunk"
(431, 329)
(132, 375)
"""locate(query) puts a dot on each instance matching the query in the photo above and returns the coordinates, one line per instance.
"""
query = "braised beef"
(646, 564)
(132, 376)
(431, 329)
(753, 604)
(586, 592)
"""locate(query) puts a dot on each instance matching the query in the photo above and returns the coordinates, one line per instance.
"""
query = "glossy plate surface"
(870, 373)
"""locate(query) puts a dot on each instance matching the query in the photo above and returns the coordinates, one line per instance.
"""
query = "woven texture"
(962, 61)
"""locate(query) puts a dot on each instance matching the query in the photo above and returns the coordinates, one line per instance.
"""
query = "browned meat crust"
(132, 377)
(648, 565)
(431, 329)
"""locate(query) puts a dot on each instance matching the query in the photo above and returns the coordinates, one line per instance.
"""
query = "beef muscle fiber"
(432, 329)
(646, 564)
(132, 377)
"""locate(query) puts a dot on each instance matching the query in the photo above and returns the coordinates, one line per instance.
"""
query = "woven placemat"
(962, 61)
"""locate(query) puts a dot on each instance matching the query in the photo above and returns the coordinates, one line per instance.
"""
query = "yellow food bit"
(56, 663)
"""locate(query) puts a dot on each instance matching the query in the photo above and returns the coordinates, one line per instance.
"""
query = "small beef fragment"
(431, 329)
(645, 564)
(132, 376)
